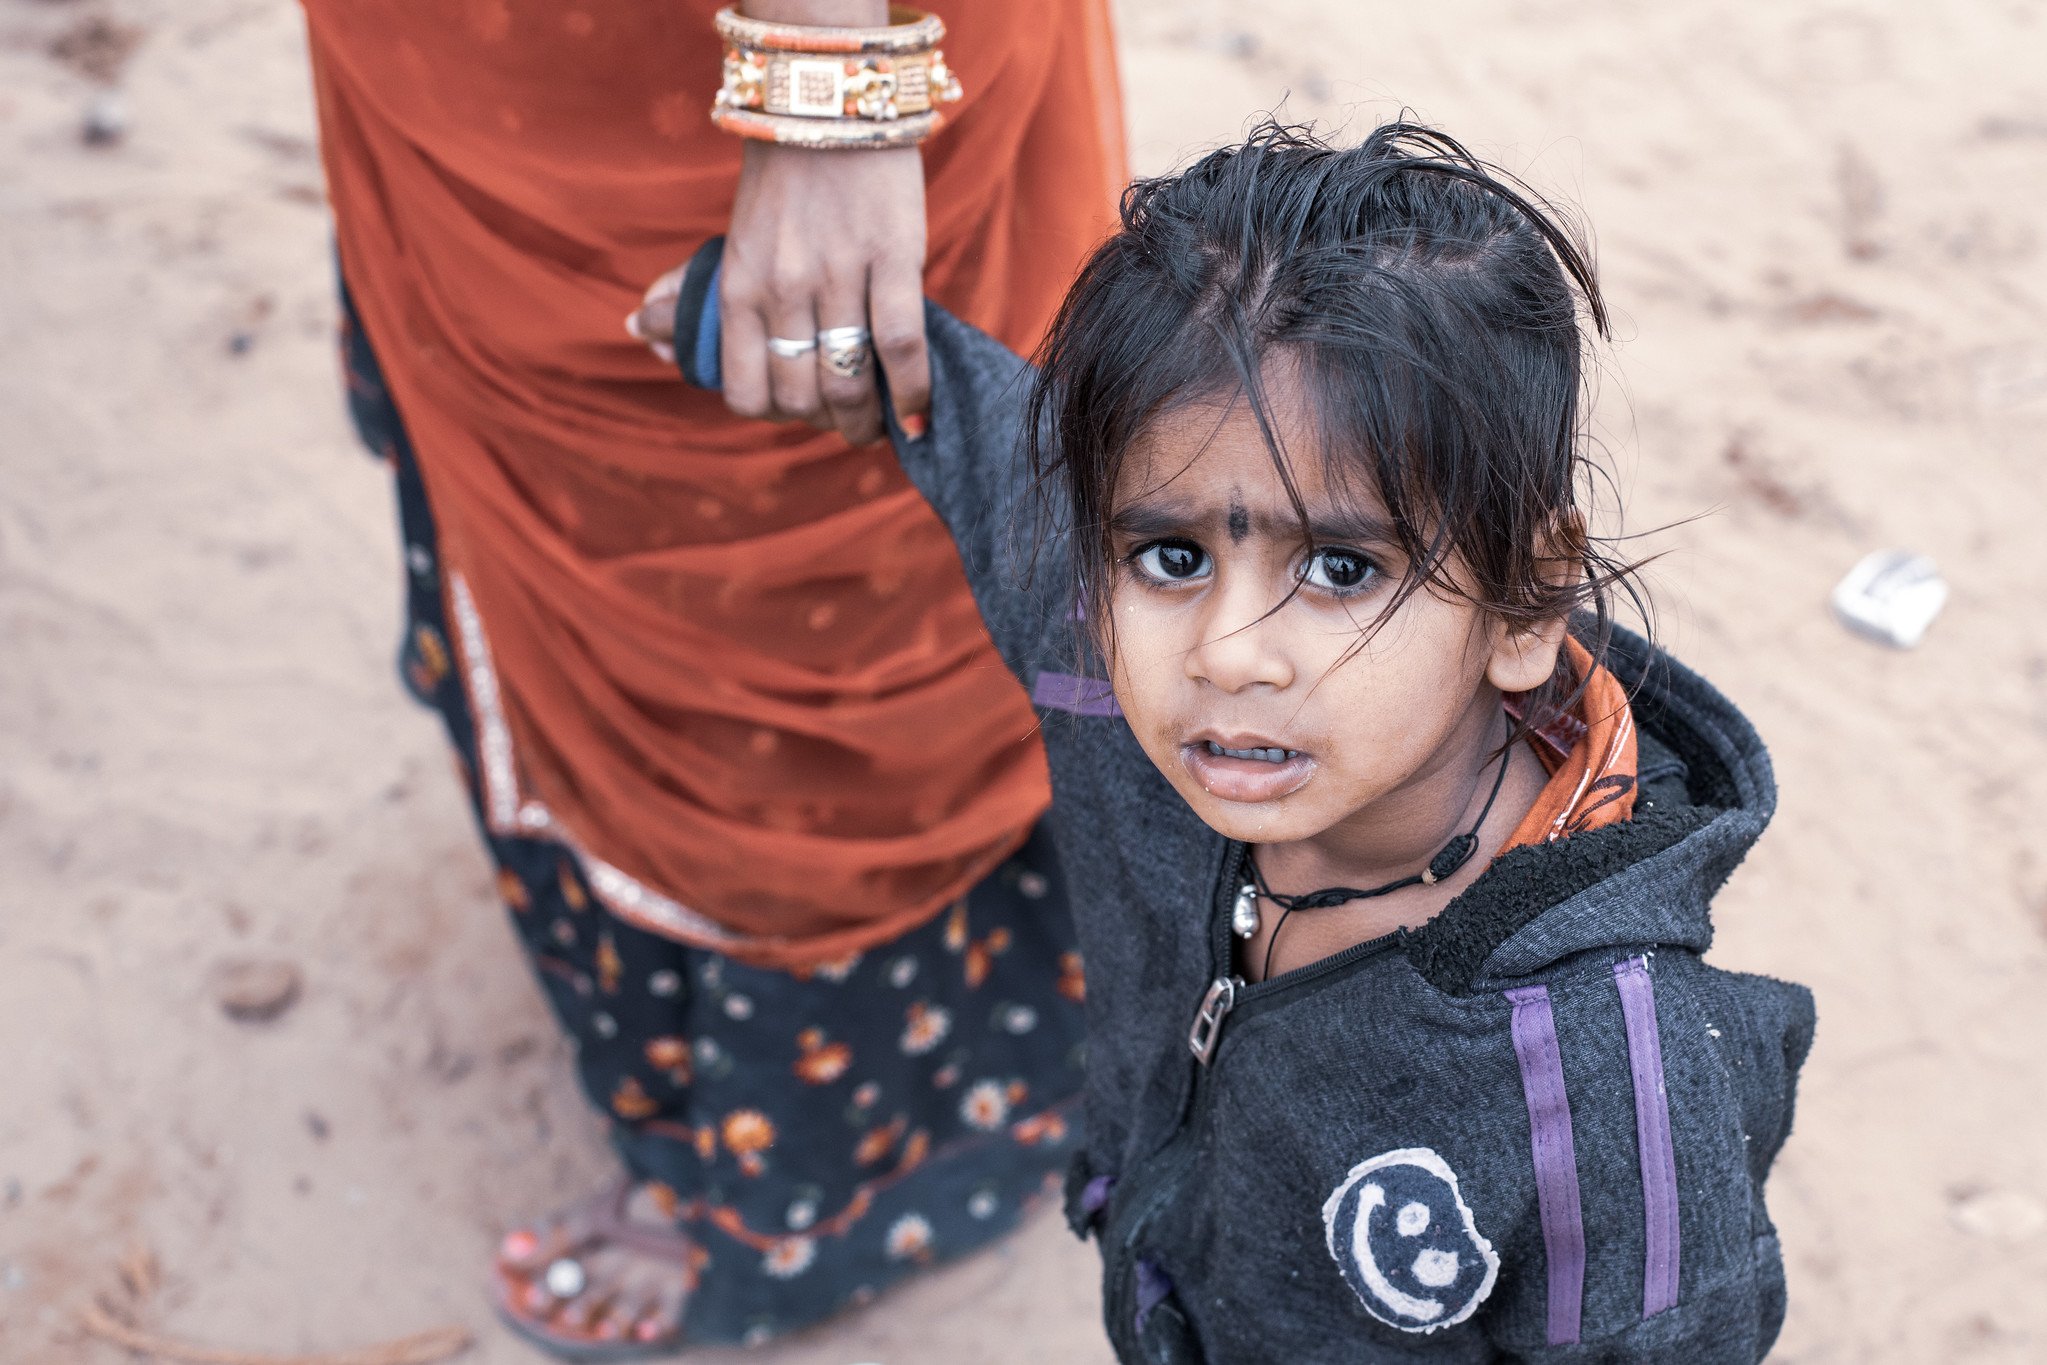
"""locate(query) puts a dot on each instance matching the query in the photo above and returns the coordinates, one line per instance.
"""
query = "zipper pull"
(1208, 1020)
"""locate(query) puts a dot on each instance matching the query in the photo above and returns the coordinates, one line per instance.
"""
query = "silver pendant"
(1244, 916)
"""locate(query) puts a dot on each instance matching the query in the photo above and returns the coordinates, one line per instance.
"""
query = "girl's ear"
(1525, 656)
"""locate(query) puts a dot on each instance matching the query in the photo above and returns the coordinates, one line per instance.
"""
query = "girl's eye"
(1338, 571)
(1172, 561)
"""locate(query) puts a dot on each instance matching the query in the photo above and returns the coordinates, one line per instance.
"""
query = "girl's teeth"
(1262, 755)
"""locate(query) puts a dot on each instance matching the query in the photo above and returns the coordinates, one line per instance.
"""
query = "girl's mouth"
(1251, 773)
(1262, 755)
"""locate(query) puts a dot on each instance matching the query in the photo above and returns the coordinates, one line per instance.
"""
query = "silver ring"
(791, 350)
(846, 350)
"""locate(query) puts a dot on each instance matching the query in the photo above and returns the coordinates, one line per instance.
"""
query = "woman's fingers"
(845, 361)
(791, 345)
(743, 345)
(895, 303)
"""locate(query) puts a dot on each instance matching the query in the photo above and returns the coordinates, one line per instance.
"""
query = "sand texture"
(1822, 228)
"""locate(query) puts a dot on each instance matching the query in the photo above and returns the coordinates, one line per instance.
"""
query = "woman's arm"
(819, 239)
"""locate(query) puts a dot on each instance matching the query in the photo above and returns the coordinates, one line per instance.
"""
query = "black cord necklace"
(1452, 856)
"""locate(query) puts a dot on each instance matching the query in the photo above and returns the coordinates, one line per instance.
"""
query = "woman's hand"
(819, 239)
(824, 239)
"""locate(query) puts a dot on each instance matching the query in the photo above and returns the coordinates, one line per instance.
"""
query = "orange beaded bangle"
(833, 87)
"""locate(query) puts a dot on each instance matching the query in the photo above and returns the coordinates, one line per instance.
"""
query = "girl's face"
(1254, 714)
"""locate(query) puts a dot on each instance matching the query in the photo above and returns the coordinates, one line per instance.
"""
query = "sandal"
(545, 1302)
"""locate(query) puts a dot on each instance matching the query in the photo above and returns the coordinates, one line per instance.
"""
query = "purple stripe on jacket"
(1652, 1136)
(1556, 1159)
(1081, 696)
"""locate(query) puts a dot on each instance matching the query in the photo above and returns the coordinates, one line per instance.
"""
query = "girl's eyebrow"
(1147, 520)
(1345, 524)
(1144, 520)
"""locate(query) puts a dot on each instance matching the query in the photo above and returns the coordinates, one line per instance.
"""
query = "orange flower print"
(821, 1062)
(429, 658)
(927, 1027)
(879, 1142)
(748, 1133)
(1017, 1091)
(914, 1151)
(693, 1267)
(572, 888)
(981, 956)
(512, 891)
(631, 1101)
(867, 1096)
(985, 1106)
(667, 1202)
(956, 927)
(946, 1077)
(1072, 982)
(909, 1236)
(671, 1055)
(707, 1143)
(609, 966)
(789, 1257)
(1046, 1127)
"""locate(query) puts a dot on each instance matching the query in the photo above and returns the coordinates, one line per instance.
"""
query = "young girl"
(1391, 856)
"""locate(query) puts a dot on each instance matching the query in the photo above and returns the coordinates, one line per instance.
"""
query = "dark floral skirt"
(818, 1134)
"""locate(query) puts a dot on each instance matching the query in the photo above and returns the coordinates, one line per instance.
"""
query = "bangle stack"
(833, 87)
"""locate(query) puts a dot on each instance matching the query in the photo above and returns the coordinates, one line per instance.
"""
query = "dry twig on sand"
(423, 1348)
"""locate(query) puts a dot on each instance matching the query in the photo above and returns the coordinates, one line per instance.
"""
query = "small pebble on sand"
(257, 991)
(106, 120)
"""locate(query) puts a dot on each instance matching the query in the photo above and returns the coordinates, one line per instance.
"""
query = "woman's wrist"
(818, 13)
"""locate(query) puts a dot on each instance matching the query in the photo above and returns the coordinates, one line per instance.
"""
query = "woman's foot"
(604, 1279)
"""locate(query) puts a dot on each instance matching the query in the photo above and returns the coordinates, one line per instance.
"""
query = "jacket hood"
(1705, 791)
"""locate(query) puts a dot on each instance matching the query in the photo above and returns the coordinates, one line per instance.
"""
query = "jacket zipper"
(1230, 994)
(1227, 995)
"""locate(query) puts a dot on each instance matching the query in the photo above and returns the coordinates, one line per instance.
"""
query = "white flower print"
(927, 1028)
(789, 1257)
(908, 1236)
(985, 1106)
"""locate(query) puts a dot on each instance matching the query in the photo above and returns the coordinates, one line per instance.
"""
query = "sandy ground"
(1821, 226)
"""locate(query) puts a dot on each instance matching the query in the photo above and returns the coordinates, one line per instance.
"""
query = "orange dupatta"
(1590, 755)
(733, 665)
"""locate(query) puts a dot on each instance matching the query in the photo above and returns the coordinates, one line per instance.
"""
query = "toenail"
(518, 1246)
(648, 1329)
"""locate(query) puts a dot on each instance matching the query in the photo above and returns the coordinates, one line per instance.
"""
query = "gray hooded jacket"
(1535, 1129)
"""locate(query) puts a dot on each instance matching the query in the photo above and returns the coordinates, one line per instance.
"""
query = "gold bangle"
(912, 31)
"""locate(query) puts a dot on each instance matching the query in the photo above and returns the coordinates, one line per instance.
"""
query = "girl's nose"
(1241, 643)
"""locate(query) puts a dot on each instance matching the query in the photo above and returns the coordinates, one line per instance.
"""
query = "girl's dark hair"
(1428, 306)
